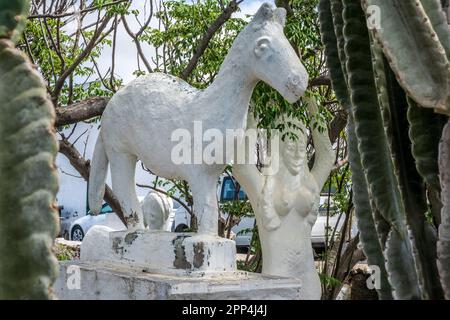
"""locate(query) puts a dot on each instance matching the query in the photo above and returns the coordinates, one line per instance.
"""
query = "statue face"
(293, 154)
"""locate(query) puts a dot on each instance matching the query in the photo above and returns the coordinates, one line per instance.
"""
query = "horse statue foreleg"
(205, 204)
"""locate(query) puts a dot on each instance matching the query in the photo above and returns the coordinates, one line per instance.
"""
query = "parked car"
(107, 217)
(66, 217)
(318, 231)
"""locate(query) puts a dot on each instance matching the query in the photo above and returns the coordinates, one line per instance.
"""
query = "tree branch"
(68, 14)
(286, 5)
(80, 111)
(323, 80)
(60, 83)
(203, 44)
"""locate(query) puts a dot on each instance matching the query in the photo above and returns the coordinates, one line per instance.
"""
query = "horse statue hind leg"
(123, 167)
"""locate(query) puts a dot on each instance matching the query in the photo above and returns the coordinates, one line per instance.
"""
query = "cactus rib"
(412, 188)
(335, 54)
(443, 245)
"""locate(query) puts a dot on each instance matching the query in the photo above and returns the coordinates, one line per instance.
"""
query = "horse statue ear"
(264, 13)
(280, 16)
(262, 45)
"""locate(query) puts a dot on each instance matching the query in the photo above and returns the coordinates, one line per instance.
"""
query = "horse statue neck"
(230, 93)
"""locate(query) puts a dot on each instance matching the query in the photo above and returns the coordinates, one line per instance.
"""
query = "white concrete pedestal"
(160, 251)
(155, 265)
(112, 281)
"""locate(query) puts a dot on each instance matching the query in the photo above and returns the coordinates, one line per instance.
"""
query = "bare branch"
(68, 14)
(323, 80)
(135, 38)
(90, 46)
(203, 44)
(285, 4)
(80, 111)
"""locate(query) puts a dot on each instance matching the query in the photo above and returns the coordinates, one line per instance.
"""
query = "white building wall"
(73, 188)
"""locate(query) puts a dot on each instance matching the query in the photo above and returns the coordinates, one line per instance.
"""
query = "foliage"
(183, 26)
(65, 252)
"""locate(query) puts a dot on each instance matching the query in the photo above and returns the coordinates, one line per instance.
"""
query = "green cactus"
(443, 245)
(13, 18)
(388, 88)
(414, 50)
(332, 37)
(425, 129)
(373, 147)
(394, 106)
(27, 173)
(412, 188)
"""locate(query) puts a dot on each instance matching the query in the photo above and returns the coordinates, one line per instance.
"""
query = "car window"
(65, 214)
(106, 208)
(327, 190)
(176, 205)
(323, 210)
(228, 190)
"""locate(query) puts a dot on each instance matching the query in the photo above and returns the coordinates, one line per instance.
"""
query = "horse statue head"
(270, 55)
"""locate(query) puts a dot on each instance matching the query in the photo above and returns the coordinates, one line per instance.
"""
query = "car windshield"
(229, 191)
(105, 209)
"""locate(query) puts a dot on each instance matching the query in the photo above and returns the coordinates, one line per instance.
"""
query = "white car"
(153, 202)
(318, 231)
(106, 217)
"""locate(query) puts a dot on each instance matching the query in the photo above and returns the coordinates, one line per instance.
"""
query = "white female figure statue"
(286, 205)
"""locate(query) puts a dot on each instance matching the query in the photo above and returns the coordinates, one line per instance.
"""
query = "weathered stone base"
(81, 280)
(166, 252)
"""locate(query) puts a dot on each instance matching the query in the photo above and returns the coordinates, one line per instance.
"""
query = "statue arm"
(324, 155)
(246, 173)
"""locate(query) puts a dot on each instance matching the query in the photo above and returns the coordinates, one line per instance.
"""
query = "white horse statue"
(139, 120)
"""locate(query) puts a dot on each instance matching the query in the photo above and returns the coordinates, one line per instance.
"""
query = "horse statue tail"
(97, 177)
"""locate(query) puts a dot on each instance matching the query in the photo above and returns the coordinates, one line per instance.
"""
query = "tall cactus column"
(384, 89)
(28, 181)
(443, 246)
